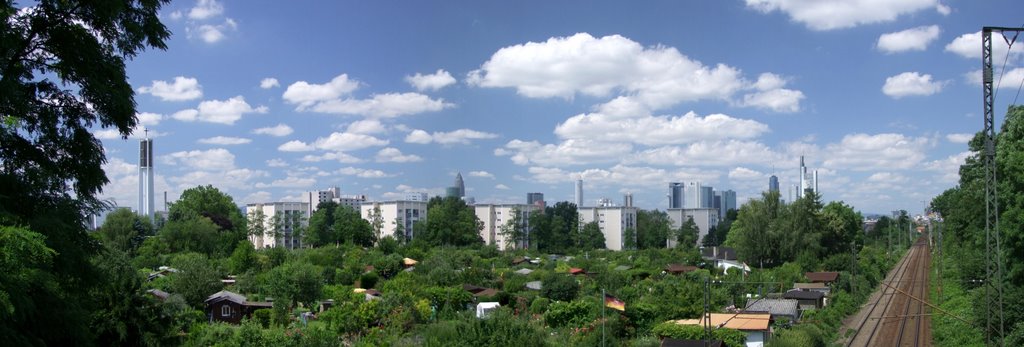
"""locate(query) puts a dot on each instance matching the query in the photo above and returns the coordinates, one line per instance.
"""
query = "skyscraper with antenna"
(146, 198)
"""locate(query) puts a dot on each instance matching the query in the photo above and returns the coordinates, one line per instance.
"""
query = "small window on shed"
(225, 310)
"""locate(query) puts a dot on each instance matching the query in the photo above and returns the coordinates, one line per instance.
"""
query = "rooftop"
(738, 321)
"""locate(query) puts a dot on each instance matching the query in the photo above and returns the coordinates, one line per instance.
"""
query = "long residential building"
(495, 216)
(613, 220)
(280, 221)
(395, 214)
(705, 218)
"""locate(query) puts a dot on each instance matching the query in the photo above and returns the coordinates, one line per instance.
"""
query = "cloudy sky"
(268, 99)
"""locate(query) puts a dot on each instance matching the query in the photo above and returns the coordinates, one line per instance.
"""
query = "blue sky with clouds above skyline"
(267, 99)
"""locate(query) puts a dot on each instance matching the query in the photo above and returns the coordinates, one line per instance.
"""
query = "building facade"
(578, 198)
(314, 198)
(395, 214)
(773, 184)
(282, 223)
(496, 216)
(675, 194)
(613, 222)
(728, 198)
(705, 218)
(535, 199)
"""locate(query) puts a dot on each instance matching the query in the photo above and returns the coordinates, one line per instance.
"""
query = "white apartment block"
(314, 198)
(285, 215)
(613, 220)
(705, 218)
(496, 216)
(395, 213)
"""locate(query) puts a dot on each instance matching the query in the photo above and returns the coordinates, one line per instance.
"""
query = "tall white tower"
(146, 199)
(579, 193)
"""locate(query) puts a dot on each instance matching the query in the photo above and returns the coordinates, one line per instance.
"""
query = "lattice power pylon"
(994, 323)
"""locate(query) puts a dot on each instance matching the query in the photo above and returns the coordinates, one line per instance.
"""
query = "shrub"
(731, 337)
(560, 287)
(262, 316)
(539, 306)
(368, 280)
(573, 313)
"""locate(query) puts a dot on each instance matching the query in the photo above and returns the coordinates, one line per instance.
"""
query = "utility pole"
(994, 321)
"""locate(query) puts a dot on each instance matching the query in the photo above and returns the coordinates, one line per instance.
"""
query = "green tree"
(653, 228)
(124, 230)
(62, 73)
(129, 316)
(450, 222)
(841, 228)
(295, 282)
(321, 226)
(351, 228)
(376, 222)
(242, 258)
(686, 235)
(629, 238)
(591, 237)
(197, 278)
(559, 287)
(513, 230)
(257, 224)
(211, 203)
(399, 230)
(195, 234)
(757, 234)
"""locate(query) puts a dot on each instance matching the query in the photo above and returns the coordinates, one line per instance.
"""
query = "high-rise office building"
(627, 200)
(773, 184)
(535, 199)
(458, 189)
(578, 199)
(808, 181)
(728, 203)
(707, 197)
(693, 195)
(675, 194)
(146, 198)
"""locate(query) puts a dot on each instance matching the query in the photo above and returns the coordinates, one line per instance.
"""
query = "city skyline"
(382, 101)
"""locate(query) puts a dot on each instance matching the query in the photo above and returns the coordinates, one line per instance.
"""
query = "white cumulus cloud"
(876, 152)
(393, 155)
(341, 157)
(363, 173)
(269, 82)
(305, 94)
(225, 140)
(959, 138)
(911, 84)
(435, 81)
(277, 130)
(206, 9)
(969, 46)
(211, 159)
(914, 39)
(460, 136)
(148, 118)
(224, 112)
(384, 105)
(181, 89)
(295, 146)
(659, 130)
(840, 14)
(343, 142)
(481, 174)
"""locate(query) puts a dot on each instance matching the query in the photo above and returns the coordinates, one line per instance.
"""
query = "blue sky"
(267, 99)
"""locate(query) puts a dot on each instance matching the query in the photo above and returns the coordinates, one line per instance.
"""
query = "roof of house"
(534, 285)
(723, 253)
(487, 292)
(822, 276)
(373, 292)
(810, 286)
(524, 271)
(225, 295)
(777, 307)
(409, 261)
(670, 342)
(803, 295)
(680, 268)
(622, 268)
(738, 321)
(471, 288)
(576, 271)
(162, 295)
(519, 260)
(265, 304)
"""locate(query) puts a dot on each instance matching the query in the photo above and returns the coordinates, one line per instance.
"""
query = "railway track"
(892, 317)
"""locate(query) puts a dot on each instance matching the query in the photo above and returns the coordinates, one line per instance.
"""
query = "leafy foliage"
(731, 337)
(450, 222)
(124, 230)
